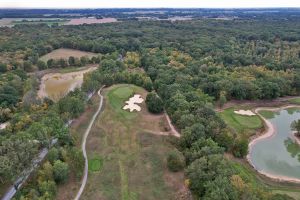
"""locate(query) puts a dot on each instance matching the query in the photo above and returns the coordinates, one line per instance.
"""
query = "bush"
(154, 103)
(53, 155)
(61, 171)
(175, 161)
(240, 148)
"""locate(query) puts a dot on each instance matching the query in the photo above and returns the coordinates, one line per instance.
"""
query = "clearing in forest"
(128, 162)
(66, 53)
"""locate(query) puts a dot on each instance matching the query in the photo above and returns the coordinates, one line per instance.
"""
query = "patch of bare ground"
(66, 53)
(68, 189)
(279, 102)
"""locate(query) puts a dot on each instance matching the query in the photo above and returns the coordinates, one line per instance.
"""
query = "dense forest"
(191, 65)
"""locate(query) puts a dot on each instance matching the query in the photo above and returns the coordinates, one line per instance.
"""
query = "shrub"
(175, 161)
(240, 148)
(53, 155)
(61, 171)
(154, 103)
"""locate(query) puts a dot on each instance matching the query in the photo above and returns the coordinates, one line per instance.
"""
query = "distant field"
(79, 21)
(16, 21)
(243, 125)
(66, 53)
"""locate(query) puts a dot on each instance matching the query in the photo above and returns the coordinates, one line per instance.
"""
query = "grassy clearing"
(66, 53)
(295, 101)
(267, 114)
(134, 161)
(241, 124)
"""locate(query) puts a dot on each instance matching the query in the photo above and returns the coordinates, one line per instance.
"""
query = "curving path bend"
(85, 176)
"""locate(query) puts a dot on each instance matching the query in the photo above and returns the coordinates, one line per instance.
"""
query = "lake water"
(278, 155)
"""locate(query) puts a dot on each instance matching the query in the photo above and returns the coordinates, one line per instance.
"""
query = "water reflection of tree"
(292, 147)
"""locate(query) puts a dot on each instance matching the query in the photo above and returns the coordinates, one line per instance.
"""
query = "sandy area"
(4, 125)
(244, 112)
(270, 132)
(84, 20)
(56, 85)
(132, 103)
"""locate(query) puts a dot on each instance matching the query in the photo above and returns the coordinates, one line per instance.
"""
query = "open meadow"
(66, 53)
(126, 161)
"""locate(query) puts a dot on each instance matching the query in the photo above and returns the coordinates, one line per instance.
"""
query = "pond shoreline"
(270, 131)
(41, 93)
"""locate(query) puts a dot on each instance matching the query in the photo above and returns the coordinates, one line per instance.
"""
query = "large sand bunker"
(245, 112)
(132, 103)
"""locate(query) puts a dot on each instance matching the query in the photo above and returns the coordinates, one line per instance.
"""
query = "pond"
(57, 85)
(278, 156)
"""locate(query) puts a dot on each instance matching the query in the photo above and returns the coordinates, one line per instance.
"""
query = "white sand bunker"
(4, 125)
(245, 112)
(132, 103)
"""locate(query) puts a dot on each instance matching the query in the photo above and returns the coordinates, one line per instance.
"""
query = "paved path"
(85, 176)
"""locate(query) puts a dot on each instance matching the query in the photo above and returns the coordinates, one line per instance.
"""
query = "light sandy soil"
(244, 112)
(84, 20)
(66, 53)
(132, 103)
(56, 85)
(270, 131)
(3, 125)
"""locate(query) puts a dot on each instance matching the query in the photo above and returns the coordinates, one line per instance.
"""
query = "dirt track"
(85, 174)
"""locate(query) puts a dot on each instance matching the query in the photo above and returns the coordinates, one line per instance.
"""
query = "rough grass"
(134, 161)
(267, 114)
(295, 101)
(243, 125)
(258, 182)
(66, 53)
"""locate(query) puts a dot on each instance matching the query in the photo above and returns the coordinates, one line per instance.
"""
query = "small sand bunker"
(132, 103)
(4, 125)
(244, 112)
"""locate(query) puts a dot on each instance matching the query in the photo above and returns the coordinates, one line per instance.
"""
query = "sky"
(148, 3)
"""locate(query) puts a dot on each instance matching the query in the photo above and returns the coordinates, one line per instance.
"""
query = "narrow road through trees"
(85, 175)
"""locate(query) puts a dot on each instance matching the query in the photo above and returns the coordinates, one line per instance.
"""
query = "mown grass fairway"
(134, 161)
(243, 125)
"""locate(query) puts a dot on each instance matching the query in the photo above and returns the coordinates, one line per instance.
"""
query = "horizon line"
(91, 8)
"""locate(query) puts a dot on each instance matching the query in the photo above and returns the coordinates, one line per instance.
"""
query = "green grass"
(95, 163)
(267, 114)
(295, 101)
(243, 125)
(117, 97)
(134, 160)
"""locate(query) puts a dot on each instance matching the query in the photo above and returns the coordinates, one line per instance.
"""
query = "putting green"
(95, 164)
